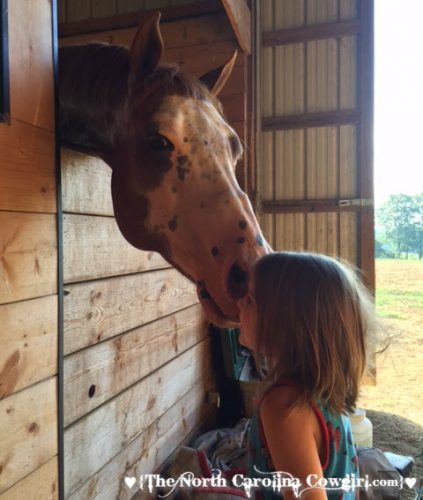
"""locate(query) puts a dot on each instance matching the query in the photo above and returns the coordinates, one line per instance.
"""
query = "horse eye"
(159, 143)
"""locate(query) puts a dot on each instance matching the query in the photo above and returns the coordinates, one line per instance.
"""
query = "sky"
(398, 132)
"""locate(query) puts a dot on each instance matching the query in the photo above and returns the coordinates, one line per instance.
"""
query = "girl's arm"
(293, 437)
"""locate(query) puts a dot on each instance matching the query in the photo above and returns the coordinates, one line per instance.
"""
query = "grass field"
(395, 404)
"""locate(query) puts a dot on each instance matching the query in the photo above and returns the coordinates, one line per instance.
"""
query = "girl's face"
(248, 317)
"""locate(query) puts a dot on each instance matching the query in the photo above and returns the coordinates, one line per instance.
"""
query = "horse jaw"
(199, 208)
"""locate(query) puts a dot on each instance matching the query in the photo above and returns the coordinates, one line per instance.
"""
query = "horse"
(172, 155)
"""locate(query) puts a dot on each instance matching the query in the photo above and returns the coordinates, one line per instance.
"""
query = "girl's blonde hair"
(313, 319)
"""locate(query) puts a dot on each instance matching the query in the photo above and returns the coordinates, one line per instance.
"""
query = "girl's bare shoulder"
(283, 403)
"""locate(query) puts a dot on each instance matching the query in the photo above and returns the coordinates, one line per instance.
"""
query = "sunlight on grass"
(397, 303)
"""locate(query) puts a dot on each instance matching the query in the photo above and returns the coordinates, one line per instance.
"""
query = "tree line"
(399, 226)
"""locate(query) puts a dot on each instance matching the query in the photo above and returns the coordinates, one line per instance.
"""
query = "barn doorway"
(395, 402)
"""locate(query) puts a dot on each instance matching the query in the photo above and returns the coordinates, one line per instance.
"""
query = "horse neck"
(93, 92)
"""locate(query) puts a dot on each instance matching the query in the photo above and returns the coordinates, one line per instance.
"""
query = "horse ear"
(146, 49)
(216, 79)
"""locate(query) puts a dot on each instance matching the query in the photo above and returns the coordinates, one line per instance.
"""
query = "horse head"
(173, 158)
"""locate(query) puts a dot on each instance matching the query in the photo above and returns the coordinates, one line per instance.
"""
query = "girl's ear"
(216, 79)
(147, 48)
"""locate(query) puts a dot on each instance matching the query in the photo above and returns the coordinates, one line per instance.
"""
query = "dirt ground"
(395, 404)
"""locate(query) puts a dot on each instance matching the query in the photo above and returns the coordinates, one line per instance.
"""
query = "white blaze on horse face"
(199, 206)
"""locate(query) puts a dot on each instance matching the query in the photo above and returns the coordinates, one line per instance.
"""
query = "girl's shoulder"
(283, 402)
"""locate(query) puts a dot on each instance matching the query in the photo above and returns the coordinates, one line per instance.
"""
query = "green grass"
(396, 303)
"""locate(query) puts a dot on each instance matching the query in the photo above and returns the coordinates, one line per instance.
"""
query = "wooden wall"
(137, 353)
(28, 262)
(315, 180)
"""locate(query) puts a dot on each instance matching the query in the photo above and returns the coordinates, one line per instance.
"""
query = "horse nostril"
(237, 281)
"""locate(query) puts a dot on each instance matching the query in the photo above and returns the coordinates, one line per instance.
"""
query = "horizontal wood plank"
(308, 33)
(28, 431)
(202, 58)
(195, 59)
(304, 120)
(114, 365)
(40, 484)
(93, 247)
(27, 181)
(169, 14)
(85, 184)
(147, 452)
(31, 62)
(101, 309)
(28, 260)
(184, 33)
(94, 440)
(28, 343)
(313, 205)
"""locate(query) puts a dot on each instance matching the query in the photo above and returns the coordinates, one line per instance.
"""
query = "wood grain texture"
(40, 484)
(85, 184)
(94, 247)
(101, 309)
(27, 181)
(114, 365)
(28, 343)
(181, 33)
(239, 16)
(28, 261)
(147, 452)
(31, 62)
(118, 422)
(28, 431)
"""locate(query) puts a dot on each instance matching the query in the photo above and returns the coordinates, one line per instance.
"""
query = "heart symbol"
(410, 481)
(130, 481)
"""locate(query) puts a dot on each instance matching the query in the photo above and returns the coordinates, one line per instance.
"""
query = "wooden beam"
(365, 141)
(132, 19)
(307, 33)
(323, 119)
(240, 18)
(312, 206)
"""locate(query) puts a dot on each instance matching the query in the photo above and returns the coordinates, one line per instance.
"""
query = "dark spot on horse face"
(183, 166)
(202, 205)
(174, 190)
(173, 223)
(185, 139)
(240, 240)
(215, 251)
(205, 143)
(259, 240)
(204, 294)
(242, 224)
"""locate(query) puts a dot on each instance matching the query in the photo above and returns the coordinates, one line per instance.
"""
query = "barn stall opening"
(137, 352)
(136, 366)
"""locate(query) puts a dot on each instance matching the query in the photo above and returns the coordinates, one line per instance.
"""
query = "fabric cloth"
(340, 454)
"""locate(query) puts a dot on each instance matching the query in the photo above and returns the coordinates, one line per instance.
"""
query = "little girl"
(306, 319)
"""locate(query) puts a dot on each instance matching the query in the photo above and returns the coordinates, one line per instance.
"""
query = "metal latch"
(360, 202)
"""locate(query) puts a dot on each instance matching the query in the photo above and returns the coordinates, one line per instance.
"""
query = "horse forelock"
(170, 79)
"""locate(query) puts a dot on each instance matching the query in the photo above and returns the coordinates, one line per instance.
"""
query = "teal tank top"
(340, 459)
